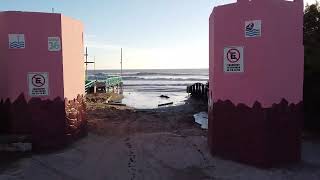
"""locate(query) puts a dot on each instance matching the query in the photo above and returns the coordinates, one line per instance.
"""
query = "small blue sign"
(16, 41)
(253, 28)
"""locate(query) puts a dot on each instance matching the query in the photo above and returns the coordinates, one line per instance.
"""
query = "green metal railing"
(110, 81)
(113, 81)
(89, 84)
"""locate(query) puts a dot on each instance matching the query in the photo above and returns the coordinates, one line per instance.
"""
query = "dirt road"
(163, 144)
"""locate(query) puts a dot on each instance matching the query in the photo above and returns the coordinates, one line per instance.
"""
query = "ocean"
(143, 88)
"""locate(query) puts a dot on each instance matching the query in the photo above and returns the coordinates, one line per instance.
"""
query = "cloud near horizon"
(108, 56)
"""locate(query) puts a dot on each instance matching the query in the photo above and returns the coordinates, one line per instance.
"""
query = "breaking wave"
(165, 79)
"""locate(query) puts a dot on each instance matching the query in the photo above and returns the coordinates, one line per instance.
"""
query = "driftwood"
(165, 104)
(117, 104)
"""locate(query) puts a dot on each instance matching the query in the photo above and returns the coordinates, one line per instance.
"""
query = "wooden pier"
(198, 90)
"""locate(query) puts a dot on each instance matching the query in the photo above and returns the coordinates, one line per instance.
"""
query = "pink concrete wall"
(37, 27)
(273, 63)
(73, 65)
(45, 119)
(65, 67)
(3, 61)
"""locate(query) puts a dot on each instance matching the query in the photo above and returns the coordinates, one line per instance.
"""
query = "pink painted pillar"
(256, 81)
(41, 64)
(73, 66)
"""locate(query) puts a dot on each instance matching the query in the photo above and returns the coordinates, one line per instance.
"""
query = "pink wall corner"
(37, 27)
(3, 58)
(273, 63)
(73, 63)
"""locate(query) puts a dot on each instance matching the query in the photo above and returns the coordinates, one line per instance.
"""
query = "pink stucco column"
(41, 69)
(256, 81)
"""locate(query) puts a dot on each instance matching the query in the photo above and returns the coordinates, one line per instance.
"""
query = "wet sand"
(122, 121)
(159, 144)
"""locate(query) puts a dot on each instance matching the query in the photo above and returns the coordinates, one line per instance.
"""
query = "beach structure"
(100, 82)
(42, 77)
(103, 83)
(256, 81)
(198, 90)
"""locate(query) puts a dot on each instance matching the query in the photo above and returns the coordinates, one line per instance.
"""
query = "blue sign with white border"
(253, 28)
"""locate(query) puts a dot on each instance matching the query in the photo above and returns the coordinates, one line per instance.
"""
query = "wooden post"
(95, 89)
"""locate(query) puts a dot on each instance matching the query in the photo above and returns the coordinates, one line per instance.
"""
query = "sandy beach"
(123, 121)
(165, 143)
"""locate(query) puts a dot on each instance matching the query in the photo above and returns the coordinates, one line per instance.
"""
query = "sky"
(163, 34)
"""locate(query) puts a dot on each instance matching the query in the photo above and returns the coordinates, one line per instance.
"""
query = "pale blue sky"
(154, 34)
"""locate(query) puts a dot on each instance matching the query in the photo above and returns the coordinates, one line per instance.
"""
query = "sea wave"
(157, 90)
(133, 74)
(165, 79)
(162, 74)
(155, 85)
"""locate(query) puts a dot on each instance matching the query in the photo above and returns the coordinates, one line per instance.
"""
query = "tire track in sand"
(132, 159)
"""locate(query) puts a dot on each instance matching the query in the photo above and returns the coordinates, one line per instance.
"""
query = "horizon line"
(149, 69)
